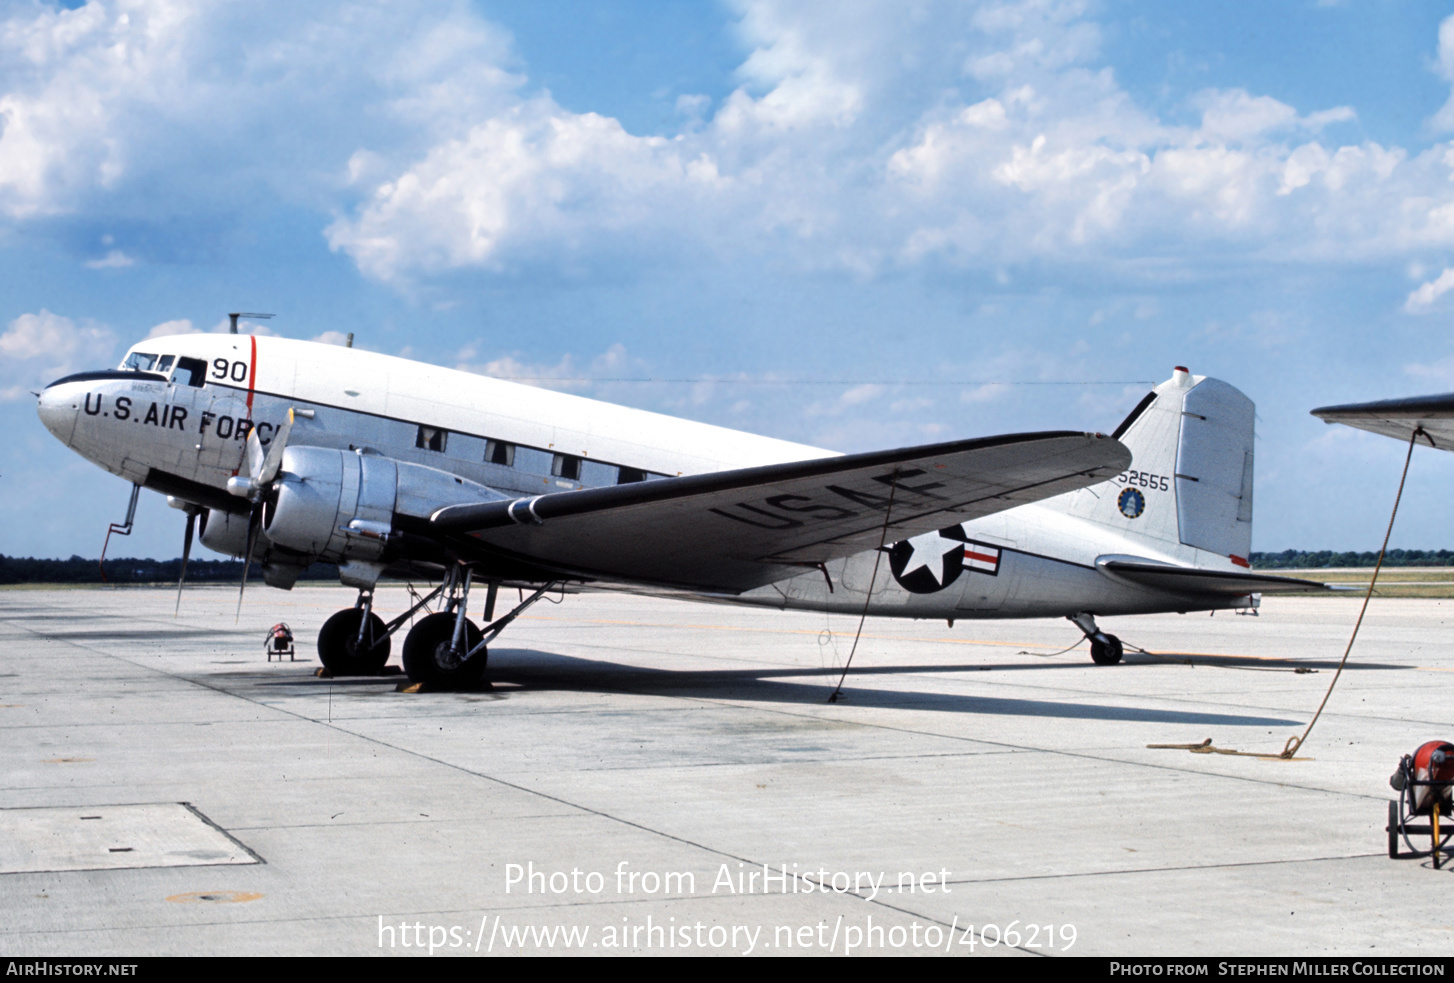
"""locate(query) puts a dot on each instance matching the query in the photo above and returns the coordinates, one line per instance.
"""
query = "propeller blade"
(254, 526)
(252, 461)
(186, 555)
(274, 460)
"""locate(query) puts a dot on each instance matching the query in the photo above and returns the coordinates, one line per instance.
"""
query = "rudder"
(1189, 486)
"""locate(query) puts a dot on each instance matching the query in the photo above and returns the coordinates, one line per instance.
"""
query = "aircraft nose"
(58, 406)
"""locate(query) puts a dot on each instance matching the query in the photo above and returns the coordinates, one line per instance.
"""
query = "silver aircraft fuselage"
(175, 419)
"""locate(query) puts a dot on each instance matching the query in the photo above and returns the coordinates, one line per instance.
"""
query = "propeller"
(262, 471)
(254, 525)
(186, 555)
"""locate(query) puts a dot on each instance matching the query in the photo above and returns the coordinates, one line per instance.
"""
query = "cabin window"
(430, 438)
(566, 466)
(192, 371)
(499, 452)
(139, 362)
(627, 476)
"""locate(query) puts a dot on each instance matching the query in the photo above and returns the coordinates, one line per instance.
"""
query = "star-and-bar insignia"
(982, 557)
(931, 562)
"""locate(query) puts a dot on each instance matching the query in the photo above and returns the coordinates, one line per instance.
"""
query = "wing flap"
(734, 530)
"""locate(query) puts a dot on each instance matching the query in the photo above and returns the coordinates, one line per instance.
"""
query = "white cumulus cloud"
(1423, 298)
(36, 349)
(862, 137)
(1444, 119)
(845, 148)
(185, 102)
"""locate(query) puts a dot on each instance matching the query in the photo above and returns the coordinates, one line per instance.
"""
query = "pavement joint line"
(1164, 870)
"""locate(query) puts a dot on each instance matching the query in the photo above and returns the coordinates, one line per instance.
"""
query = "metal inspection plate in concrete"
(162, 834)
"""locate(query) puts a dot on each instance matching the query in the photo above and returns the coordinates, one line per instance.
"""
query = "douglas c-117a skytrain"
(294, 452)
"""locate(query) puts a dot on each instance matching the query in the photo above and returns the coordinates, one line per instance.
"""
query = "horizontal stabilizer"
(1398, 418)
(1190, 580)
(734, 530)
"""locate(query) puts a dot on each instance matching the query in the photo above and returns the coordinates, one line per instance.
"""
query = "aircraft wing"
(1399, 417)
(1189, 580)
(730, 531)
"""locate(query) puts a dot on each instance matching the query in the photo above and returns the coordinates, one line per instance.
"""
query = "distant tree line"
(1310, 560)
(130, 570)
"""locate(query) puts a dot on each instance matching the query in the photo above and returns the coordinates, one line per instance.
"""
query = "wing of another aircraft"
(730, 531)
(1398, 418)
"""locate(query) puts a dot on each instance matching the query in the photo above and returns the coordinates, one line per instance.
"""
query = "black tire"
(427, 655)
(1393, 829)
(338, 647)
(1106, 650)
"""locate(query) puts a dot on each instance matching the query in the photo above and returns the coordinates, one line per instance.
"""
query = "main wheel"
(1105, 650)
(339, 649)
(428, 658)
(1393, 829)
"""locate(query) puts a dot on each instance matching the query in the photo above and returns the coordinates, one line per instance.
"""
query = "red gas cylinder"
(280, 636)
(1433, 762)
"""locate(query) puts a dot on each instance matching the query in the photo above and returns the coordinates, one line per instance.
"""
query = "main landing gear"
(447, 650)
(355, 641)
(442, 650)
(1105, 649)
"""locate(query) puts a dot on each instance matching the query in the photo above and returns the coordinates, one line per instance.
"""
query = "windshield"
(139, 362)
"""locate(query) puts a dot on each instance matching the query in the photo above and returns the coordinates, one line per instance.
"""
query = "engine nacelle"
(335, 505)
(225, 533)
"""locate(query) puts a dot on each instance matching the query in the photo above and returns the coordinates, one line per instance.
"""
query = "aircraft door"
(222, 442)
(181, 420)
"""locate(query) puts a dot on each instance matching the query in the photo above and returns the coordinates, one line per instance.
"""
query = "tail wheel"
(339, 649)
(1105, 650)
(429, 657)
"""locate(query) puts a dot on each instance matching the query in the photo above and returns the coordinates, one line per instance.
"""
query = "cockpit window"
(139, 362)
(166, 363)
(192, 371)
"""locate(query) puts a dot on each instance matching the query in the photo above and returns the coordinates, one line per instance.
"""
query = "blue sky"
(855, 225)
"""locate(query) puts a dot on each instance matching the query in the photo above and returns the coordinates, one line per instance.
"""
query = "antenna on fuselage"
(238, 314)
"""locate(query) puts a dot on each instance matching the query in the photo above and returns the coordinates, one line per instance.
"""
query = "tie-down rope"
(1295, 743)
(883, 536)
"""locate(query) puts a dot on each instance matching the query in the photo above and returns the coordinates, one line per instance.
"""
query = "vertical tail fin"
(1189, 487)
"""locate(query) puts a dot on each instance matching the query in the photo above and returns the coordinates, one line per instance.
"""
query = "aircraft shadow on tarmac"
(514, 670)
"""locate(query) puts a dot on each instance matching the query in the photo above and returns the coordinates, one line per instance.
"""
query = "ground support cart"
(1425, 783)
